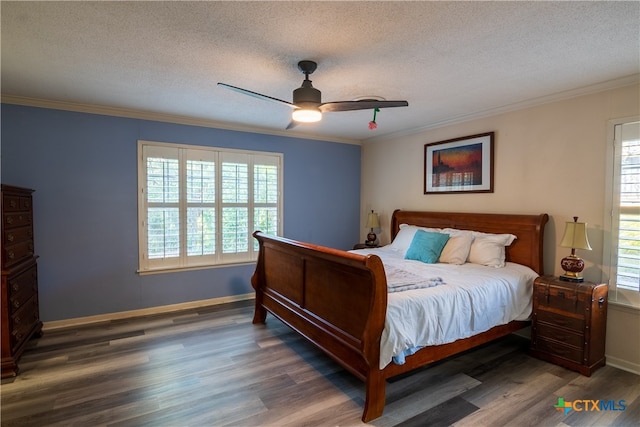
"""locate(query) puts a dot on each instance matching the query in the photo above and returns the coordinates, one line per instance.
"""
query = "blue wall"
(84, 170)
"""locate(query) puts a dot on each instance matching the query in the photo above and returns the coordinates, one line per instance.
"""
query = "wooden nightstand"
(363, 246)
(569, 323)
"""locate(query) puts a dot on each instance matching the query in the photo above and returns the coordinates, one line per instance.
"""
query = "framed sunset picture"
(460, 165)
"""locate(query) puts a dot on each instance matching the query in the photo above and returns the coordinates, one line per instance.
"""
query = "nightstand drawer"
(560, 320)
(546, 331)
(570, 297)
(561, 350)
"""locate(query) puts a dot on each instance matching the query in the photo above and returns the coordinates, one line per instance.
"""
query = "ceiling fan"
(307, 104)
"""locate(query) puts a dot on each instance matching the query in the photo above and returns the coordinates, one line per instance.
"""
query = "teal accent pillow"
(426, 246)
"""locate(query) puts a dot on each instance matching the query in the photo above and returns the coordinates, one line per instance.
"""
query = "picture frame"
(459, 165)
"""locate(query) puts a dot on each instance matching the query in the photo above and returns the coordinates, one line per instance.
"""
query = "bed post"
(375, 380)
(257, 281)
(375, 389)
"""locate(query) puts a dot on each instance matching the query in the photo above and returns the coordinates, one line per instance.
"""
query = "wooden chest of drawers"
(19, 309)
(569, 323)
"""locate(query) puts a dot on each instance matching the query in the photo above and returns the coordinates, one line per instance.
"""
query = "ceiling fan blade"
(360, 105)
(256, 94)
(291, 125)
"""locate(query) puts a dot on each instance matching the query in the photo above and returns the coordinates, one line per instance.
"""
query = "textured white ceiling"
(449, 60)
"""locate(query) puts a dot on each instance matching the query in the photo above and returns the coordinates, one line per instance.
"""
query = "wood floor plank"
(211, 366)
(510, 398)
(442, 415)
(427, 396)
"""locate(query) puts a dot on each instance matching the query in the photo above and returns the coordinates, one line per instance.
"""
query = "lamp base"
(572, 266)
(371, 239)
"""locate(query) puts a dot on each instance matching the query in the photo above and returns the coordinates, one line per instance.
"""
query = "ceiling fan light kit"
(306, 115)
(307, 101)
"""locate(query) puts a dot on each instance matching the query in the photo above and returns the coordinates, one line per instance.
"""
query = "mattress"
(451, 302)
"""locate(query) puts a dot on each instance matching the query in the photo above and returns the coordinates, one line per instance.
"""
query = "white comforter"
(472, 299)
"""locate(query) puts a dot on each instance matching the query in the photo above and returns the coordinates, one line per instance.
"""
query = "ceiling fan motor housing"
(306, 94)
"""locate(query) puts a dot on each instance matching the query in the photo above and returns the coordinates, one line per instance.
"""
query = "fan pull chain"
(372, 124)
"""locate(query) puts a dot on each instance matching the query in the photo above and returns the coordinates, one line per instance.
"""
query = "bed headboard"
(529, 230)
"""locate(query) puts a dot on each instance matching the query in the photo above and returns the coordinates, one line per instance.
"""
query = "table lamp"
(575, 237)
(372, 222)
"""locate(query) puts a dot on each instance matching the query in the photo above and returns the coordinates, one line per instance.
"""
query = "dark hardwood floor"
(212, 367)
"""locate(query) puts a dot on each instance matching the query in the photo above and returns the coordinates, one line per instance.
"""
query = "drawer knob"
(15, 287)
(10, 237)
(9, 220)
(16, 304)
(11, 255)
(13, 204)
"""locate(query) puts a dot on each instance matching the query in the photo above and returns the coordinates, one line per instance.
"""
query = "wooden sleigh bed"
(337, 300)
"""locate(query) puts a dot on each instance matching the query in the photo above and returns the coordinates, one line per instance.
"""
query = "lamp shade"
(373, 221)
(575, 235)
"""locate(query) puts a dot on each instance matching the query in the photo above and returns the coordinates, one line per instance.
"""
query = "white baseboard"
(625, 365)
(80, 321)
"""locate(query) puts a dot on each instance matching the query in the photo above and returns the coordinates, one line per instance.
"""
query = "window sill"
(202, 267)
(628, 308)
(625, 299)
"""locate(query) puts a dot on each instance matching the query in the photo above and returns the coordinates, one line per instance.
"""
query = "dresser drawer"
(23, 320)
(13, 236)
(568, 352)
(546, 331)
(15, 203)
(12, 254)
(573, 323)
(11, 203)
(21, 287)
(17, 219)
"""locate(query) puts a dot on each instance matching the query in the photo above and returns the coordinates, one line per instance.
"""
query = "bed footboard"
(335, 299)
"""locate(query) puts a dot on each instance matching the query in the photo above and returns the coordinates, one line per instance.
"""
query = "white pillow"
(488, 249)
(403, 239)
(456, 251)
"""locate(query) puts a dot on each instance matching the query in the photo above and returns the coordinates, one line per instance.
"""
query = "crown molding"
(160, 117)
(633, 79)
(191, 121)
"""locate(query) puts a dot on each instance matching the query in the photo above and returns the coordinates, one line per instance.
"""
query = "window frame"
(218, 155)
(617, 295)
